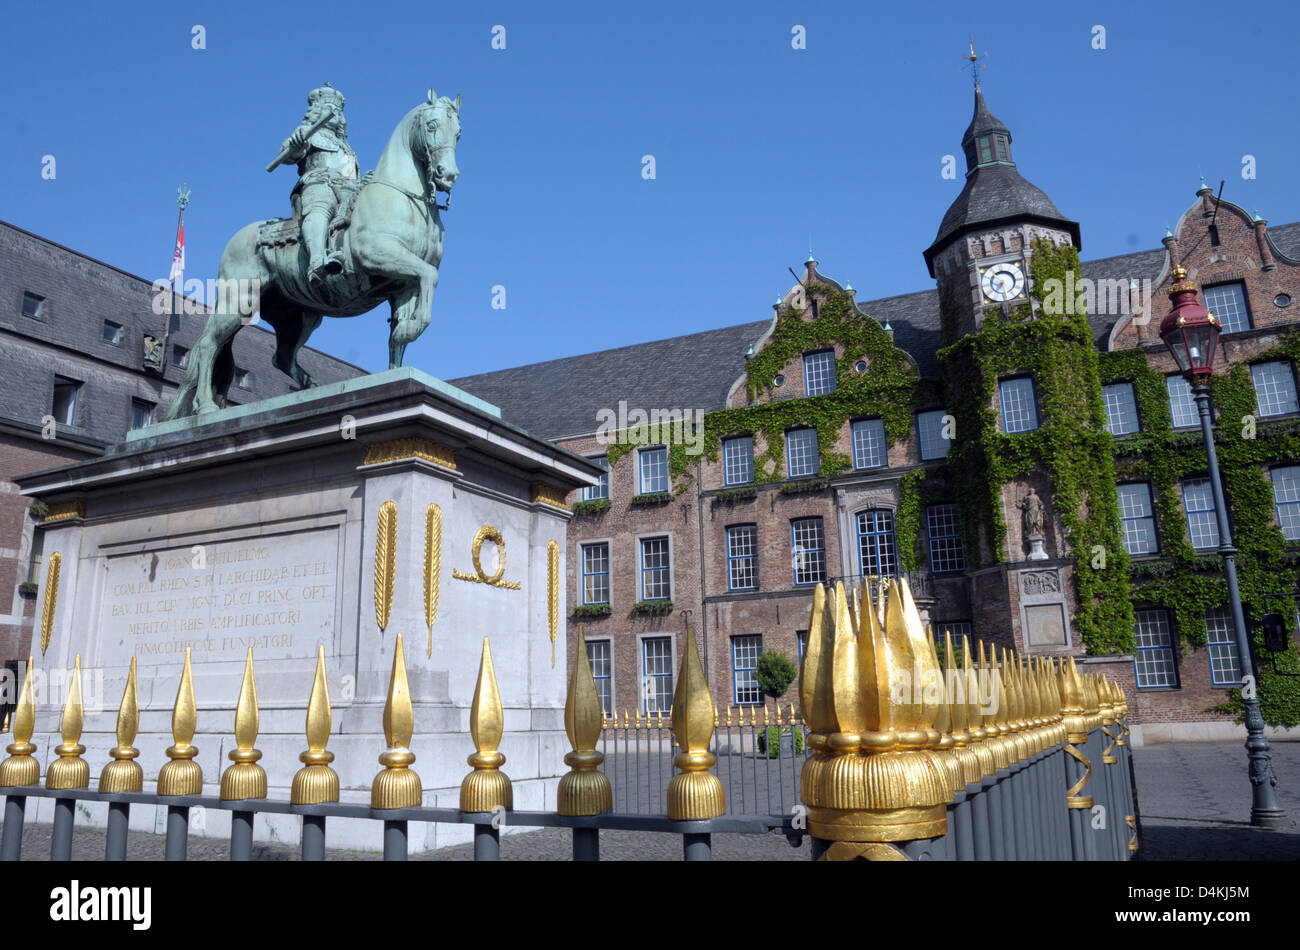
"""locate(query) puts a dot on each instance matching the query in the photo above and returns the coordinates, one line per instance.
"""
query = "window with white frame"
(808, 544)
(1221, 646)
(595, 573)
(1121, 408)
(1182, 405)
(738, 460)
(1019, 404)
(819, 373)
(869, 450)
(932, 434)
(1202, 523)
(600, 655)
(877, 550)
(742, 557)
(946, 551)
(656, 674)
(1153, 660)
(1228, 303)
(654, 470)
(1138, 522)
(656, 572)
(601, 489)
(1286, 496)
(1275, 393)
(801, 455)
(745, 651)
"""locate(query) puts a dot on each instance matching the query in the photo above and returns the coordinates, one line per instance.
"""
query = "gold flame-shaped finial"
(70, 770)
(20, 768)
(385, 562)
(872, 777)
(959, 715)
(245, 779)
(975, 704)
(694, 792)
(51, 599)
(943, 752)
(182, 775)
(584, 789)
(397, 786)
(487, 787)
(993, 712)
(316, 782)
(432, 566)
(122, 774)
(1077, 727)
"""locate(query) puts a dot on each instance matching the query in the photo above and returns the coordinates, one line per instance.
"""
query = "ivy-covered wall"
(1188, 583)
(1071, 445)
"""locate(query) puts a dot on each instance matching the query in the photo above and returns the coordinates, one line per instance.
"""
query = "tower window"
(34, 306)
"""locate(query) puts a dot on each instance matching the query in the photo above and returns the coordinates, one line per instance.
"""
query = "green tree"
(775, 672)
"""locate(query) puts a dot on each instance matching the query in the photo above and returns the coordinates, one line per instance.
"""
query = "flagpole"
(178, 274)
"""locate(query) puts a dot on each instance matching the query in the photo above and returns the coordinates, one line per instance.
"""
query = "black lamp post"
(1192, 334)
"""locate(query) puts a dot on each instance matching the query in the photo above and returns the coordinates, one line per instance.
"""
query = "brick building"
(844, 439)
(75, 377)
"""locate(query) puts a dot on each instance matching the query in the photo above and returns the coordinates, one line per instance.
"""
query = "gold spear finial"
(959, 715)
(584, 789)
(70, 770)
(21, 768)
(245, 779)
(694, 792)
(122, 774)
(398, 785)
(728, 722)
(487, 787)
(316, 782)
(182, 775)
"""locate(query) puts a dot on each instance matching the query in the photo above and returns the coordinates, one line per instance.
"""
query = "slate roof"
(561, 397)
(983, 120)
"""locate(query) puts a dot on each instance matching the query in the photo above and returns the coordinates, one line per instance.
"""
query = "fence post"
(122, 773)
(69, 770)
(244, 779)
(316, 783)
(694, 793)
(397, 786)
(872, 782)
(181, 775)
(1078, 769)
(583, 790)
(487, 788)
(20, 769)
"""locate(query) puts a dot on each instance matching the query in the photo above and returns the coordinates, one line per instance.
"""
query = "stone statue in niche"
(1033, 509)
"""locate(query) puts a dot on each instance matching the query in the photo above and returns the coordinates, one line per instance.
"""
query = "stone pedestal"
(1036, 552)
(257, 526)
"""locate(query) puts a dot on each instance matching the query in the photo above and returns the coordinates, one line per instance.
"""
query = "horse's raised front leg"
(413, 305)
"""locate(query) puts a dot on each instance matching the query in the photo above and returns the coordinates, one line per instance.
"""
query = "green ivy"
(1188, 583)
(1071, 444)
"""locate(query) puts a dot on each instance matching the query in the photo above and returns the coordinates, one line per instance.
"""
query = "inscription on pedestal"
(275, 594)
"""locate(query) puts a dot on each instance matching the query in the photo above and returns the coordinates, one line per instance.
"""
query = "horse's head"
(435, 132)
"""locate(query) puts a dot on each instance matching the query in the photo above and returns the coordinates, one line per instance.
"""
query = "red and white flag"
(178, 256)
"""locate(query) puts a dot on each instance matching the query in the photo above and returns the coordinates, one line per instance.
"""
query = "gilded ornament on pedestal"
(385, 562)
(480, 576)
(51, 599)
(553, 593)
(432, 566)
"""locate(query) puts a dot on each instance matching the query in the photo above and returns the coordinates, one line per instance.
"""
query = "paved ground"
(1194, 800)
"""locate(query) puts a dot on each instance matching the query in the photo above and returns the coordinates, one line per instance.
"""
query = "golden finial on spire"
(659, 719)
(245, 779)
(316, 782)
(122, 774)
(694, 792)
(636, 721)
(21, 769)
(398, 785)
(182, 775)
(971, 58)
(584, 789)
(70, 770)
(487, 787)
(728, 722)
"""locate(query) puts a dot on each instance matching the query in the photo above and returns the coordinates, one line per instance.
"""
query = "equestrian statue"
(353, 242)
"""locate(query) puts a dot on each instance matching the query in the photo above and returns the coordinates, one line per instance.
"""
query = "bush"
(769, 740)
(775, 672)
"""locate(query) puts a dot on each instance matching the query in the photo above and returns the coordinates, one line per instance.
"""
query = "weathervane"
(972, 65)
(183, 195)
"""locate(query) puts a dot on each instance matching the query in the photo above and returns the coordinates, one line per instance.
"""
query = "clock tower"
(980, 257)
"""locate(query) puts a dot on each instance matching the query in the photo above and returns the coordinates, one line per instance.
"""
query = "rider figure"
(326, 163)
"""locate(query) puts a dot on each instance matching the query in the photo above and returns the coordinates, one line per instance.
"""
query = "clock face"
(1001, 282)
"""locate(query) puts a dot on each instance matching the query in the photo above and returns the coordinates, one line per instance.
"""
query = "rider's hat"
(326, 94)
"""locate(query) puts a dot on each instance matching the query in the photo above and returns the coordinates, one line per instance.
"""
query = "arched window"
(877, 550)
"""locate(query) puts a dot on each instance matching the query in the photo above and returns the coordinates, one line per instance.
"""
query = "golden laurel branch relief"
(553, 592)
(410, 448)
(65, 510)
(432, 566)
(51, 599)
(546, 495)
(480, 576)
(385, 562)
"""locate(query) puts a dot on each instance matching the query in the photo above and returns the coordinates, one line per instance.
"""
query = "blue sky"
(758, 146)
